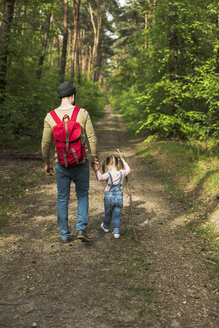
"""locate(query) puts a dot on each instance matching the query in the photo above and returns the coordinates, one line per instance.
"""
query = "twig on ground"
(130, 201)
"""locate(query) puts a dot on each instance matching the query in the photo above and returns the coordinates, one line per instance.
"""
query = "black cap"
(66, 89)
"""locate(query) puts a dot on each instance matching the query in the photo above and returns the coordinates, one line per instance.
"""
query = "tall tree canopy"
(44, 43)
(157, 59)
(166, 67)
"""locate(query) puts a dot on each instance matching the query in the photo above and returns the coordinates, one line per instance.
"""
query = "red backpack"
(67, 138)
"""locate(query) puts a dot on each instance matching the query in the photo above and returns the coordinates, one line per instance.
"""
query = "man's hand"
(48, 169)
(95, 163)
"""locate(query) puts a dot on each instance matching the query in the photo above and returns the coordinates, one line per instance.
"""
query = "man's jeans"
(80, 176)
(113, 203)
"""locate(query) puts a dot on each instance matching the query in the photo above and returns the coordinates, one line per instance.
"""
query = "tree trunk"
(64, 43)
(58, 51)
(84, 60)
(55, 50)
(96, 30)
(76, 17)
(78, 67)
(70, 39)
(4, 40)
(97, 71)
(173, 46)
(89, 61)
(84, 55)
(173, 42)
(217, 65)
(24, 10)
(148, 20)
(42, 57)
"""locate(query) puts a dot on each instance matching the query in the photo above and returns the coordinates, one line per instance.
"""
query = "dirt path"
(159, 282)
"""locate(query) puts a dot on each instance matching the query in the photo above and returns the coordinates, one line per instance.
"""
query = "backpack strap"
(75, 113)
(55, 116)
(73, 117)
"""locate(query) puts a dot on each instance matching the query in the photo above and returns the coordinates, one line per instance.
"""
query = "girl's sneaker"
(116, 235)
(104, 229)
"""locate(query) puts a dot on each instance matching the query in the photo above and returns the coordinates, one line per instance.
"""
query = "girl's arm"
(127, 169)
(100, 176)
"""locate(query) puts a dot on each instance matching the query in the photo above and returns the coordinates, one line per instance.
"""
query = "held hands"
(95, 163)
(48, 169)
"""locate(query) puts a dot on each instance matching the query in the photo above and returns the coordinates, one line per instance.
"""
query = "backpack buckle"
(65, 117)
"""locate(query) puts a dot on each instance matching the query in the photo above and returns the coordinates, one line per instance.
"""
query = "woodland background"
(155, 61)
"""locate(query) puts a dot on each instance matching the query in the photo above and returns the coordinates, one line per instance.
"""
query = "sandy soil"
(160, 281)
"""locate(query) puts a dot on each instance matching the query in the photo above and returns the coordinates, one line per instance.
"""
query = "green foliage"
(208, 240)
(5, 212)
(91, 98)
(191, 175)
(166, 84)
(22, 113)
(183, 166)
(29, 96)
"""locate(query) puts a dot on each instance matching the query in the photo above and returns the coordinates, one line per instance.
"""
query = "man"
(79, 174)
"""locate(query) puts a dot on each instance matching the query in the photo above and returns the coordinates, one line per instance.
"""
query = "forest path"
(161, 281)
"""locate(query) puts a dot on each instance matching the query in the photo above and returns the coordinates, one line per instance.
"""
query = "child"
(113, 195)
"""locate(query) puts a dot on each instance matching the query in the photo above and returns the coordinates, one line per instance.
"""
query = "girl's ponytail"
(110, 161)
(104, 166)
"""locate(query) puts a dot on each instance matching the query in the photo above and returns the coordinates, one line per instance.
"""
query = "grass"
(190, 174)
(5, 212)
(116, 121)
(183, 168)
(141, 298)
(54, 239)
(127, 273)
(209, 242)
(128, 232)
(132, 262)
(139, 261)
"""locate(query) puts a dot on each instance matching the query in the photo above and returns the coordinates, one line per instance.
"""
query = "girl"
(113, 195)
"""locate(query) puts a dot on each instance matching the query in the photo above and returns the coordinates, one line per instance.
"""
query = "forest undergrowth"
(190, 174)
(159, 281)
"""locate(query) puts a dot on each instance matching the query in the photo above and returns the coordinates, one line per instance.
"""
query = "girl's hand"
(96, 166)
(120, 155)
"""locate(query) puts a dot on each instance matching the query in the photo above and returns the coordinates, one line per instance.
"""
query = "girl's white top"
(115, 175)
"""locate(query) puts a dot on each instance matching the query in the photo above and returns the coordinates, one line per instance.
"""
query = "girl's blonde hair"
(112, 161)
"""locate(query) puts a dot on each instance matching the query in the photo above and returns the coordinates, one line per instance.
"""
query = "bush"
(183, 108)
(23, 112)
(91, 97)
